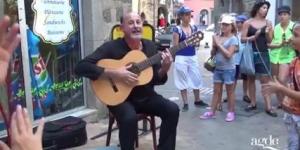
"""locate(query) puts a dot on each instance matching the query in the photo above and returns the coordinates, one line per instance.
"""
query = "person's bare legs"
(184, 98)
(198, 102)
(275, 74)
(245, 87)
(264, 79)
(282, 78)
(217, 96)
(252, 90)
(196, 95)
(230, 89)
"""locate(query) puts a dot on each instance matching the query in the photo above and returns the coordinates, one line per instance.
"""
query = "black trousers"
(126, 116)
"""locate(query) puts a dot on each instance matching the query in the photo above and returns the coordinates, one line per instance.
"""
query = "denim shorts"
(224, 76)
(262, 64)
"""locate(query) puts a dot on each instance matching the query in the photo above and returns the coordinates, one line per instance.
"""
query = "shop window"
(54, 50)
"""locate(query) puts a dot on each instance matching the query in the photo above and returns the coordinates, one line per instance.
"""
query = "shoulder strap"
(180, 31)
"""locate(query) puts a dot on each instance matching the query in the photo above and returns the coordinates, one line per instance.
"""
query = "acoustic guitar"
(113, 92)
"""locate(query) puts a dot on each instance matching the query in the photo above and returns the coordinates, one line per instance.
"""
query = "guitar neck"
(157, 57)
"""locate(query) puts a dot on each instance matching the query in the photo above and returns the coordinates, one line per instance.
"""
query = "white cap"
(228, 19)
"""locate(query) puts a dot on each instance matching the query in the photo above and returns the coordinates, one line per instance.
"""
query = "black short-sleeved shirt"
(117, 49)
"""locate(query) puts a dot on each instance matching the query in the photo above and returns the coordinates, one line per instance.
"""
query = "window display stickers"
(53, 21)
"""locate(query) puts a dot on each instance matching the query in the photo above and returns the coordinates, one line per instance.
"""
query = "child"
(225, 45)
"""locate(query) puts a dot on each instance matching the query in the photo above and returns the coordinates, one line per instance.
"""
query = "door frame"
(25, 57)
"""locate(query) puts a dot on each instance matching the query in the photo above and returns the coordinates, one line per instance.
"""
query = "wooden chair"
(150, 119)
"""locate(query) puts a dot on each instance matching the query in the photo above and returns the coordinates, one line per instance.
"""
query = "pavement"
(249, 131)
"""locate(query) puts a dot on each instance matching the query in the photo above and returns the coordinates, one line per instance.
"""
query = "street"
(249, 131)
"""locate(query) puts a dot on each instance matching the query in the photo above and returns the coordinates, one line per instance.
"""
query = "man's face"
(132, 26)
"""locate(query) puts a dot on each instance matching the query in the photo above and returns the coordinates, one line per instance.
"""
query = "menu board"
(53, 21)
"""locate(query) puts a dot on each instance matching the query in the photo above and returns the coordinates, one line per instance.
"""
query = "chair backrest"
(148, 32)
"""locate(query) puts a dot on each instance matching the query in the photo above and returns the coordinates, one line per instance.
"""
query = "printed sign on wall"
(53, 20)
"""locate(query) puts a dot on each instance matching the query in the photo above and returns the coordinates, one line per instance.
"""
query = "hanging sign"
(53, 21)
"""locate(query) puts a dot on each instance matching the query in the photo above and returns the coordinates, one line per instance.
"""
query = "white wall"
(272, 14)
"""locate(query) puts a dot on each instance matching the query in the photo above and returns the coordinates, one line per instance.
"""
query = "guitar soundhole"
(134, 68)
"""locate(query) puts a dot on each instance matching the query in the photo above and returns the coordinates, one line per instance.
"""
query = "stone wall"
(98, 17)
(150, 8)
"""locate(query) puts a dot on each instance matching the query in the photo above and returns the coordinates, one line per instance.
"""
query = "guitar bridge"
(113, 85)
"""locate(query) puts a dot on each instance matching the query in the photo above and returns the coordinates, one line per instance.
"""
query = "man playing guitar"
(142, 99)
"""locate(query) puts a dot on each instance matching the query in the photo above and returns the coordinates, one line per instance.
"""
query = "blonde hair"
(234, 28)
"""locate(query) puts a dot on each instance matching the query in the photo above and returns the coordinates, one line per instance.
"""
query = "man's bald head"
(128, 15)
(132, 25)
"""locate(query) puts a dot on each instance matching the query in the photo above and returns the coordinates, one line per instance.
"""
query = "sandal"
(246, 99)
(271, 112)
(250, 107)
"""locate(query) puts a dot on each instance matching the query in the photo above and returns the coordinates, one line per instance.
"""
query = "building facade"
(203, 11)
(55, 35)
(244, 7)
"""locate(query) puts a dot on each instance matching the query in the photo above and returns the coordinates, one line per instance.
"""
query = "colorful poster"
(53, 21)
(41, 83)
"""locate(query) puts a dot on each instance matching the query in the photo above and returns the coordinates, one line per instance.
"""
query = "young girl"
(237, 58)
(225, 46)
(291, 102)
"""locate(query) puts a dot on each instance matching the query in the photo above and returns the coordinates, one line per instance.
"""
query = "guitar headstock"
(195, 38)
